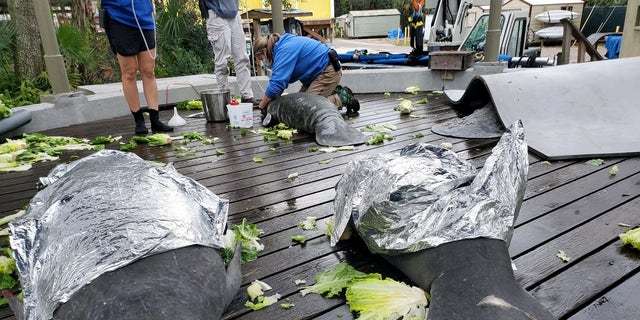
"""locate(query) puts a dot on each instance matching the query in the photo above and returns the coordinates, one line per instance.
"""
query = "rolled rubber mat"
(581, 110)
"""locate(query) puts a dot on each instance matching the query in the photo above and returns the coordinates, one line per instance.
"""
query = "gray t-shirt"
(224, 8)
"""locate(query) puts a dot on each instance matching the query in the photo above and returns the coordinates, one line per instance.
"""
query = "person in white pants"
(224, 31)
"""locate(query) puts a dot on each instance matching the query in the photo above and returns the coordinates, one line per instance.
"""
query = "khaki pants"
(325, 83)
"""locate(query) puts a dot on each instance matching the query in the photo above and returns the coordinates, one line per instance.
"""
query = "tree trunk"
(82, 14)
(28, 55)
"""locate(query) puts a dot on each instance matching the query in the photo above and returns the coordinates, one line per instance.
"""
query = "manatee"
(444, 224)
(186, 283)
(313, 113)
(470, 279)
(112, 236)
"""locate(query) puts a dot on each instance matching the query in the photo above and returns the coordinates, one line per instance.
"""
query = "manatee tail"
(334, 132)
(234, 276)
(15, 304)
(470, 279)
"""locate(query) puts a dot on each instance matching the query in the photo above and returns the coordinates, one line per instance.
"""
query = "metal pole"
(52, 58)
(276, 16)
(493, 32)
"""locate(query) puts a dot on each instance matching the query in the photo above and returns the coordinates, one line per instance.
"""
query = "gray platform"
(581, 110)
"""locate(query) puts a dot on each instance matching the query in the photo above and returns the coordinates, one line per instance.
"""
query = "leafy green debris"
(412, 90)
(104, 140)
(263, 302)
(309, 223)
(370, 295)
(595, 162)
(190, 105)
(332, 282)
(249, 234)
(379, 138)
(614, 170)
(563, 256)
(405, 106)
(631, 237)
(299, 238)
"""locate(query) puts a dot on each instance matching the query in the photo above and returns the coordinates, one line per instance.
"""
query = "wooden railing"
(571, 32)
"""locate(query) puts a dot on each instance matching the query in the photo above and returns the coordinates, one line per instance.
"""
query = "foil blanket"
(425, 196)
(103, 212)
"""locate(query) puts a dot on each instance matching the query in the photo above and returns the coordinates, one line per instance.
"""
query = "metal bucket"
(215, 103)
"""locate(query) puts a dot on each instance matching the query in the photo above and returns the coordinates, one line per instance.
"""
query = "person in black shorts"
(130, 28)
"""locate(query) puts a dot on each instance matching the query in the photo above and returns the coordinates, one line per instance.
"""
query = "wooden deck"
(569, 206)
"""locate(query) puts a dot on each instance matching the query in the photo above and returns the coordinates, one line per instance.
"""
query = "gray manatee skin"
(186, 283)
(313, 113)
(470, 279)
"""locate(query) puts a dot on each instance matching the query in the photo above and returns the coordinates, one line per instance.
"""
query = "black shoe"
(156, 124)
(251, 100)
(140, 126)
(348, 100)
(353, 107)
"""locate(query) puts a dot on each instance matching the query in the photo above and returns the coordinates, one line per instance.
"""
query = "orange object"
(417, 5)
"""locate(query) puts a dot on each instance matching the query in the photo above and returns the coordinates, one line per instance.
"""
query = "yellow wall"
(322, 9)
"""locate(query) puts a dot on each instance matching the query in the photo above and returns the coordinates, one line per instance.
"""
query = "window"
(517, 38)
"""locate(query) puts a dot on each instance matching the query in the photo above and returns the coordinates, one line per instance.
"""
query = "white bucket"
(241, 115)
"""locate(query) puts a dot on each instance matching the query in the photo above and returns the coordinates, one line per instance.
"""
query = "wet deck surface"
(569, 206)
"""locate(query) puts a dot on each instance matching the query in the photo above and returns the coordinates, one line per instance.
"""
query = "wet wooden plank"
(568, 205)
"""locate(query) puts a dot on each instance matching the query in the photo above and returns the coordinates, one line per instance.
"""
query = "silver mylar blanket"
(425, 196)
(103, 212)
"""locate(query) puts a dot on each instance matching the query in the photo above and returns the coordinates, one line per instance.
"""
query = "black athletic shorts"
(128, 41)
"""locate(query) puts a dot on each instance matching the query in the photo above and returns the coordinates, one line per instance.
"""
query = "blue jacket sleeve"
(284, 62)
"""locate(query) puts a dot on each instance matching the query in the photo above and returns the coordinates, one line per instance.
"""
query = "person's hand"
(264, 102)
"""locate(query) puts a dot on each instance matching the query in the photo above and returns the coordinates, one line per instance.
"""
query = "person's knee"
(129, 75)
(147, 73)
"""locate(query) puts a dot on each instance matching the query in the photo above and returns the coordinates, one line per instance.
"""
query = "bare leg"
(129, 69)
(146, 65)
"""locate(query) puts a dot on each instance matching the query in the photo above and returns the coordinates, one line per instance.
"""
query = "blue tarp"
(396, 34)
(613, 44)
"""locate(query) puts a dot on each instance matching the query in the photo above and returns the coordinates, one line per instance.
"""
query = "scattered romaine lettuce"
(614, 170)
(595, 162)
(412, 90)
(257, 288)
(249, 235)
(299, 239)
(309, 223)
(405, 106)
(375, 298)
(632, 238)
(563, 256)
(263, 302)
(331, 282)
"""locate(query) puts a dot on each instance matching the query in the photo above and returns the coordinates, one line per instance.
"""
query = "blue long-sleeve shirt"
(123, 11)
(296, 58)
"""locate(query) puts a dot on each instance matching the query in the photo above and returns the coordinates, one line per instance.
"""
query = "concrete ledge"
(99, 102)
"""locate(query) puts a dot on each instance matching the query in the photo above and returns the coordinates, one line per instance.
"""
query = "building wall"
(322, 9)
(631, 31)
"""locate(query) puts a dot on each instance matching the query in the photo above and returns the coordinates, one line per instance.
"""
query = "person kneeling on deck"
(315, 64)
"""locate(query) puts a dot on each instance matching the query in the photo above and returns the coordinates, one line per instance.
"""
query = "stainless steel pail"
(214, 102)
